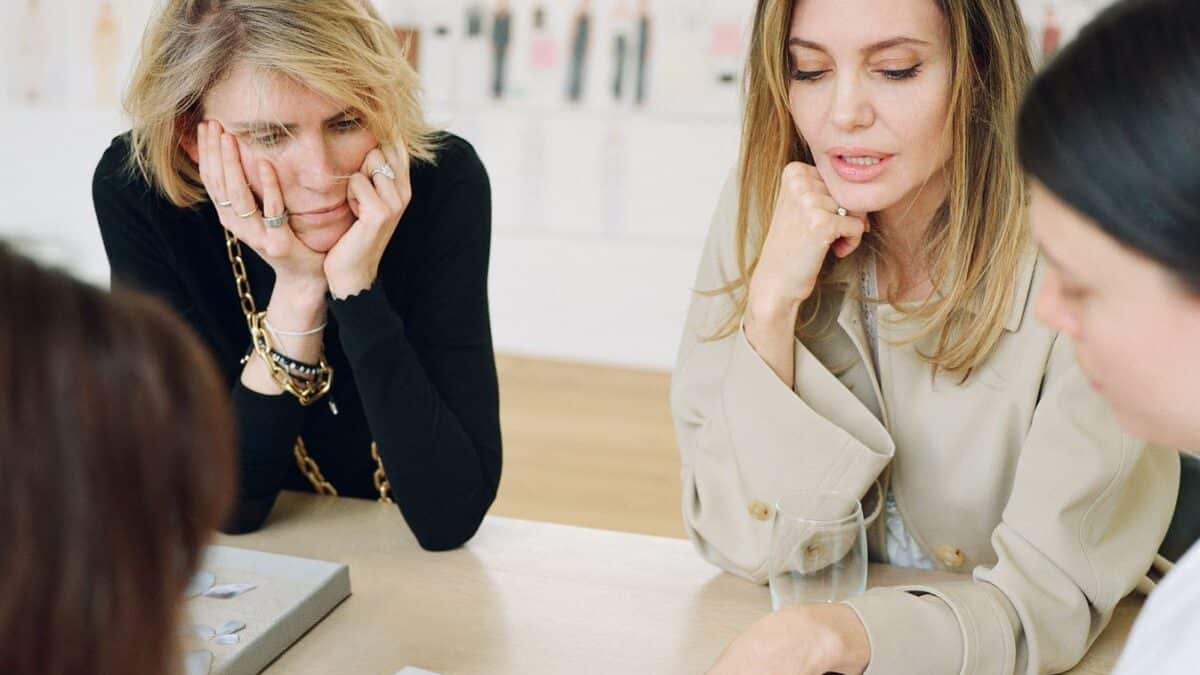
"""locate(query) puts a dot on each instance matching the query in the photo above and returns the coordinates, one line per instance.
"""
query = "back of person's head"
(1112, 128)
(341, 49)
(116, 464)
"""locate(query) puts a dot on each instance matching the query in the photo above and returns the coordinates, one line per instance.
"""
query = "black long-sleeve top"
(412, 357)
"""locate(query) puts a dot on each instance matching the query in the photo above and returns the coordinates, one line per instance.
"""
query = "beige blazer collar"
(850, 313)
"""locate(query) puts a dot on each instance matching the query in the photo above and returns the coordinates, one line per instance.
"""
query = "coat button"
(950, 556)
(760, 511)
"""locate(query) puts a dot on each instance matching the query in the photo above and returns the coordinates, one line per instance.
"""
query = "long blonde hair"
(978, 235)
(341, 49)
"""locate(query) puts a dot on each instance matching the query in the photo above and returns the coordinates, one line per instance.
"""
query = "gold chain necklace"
(308, 466)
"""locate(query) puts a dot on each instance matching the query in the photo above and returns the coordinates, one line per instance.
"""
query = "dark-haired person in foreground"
(1111, 136)
(116, 465)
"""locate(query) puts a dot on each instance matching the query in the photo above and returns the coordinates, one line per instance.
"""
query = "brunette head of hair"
(116, 464)
(1110, 128)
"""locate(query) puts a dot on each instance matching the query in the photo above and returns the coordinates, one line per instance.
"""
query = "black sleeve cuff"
(365, 320)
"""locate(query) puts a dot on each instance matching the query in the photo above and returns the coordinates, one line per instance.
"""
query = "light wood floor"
(588, 445)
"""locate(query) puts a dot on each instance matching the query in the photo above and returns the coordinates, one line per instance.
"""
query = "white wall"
(598, 228)
(46, 181)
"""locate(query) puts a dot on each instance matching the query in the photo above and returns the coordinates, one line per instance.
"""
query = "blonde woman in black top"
(280, 189)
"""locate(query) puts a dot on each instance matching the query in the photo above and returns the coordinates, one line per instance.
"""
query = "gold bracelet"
(305, 390)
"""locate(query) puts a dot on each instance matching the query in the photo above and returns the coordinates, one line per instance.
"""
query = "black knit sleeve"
(428, 379)
(138, 256)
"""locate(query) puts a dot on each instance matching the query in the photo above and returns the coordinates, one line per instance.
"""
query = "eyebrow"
(260, 125)
(878, 46)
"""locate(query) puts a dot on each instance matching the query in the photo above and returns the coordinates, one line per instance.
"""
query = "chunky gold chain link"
(381, 480)
(307, 391)
(308, 466)
(233, 250)
(305, 394)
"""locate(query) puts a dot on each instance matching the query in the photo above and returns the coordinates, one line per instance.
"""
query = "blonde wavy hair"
(978, 235)
(341, 49)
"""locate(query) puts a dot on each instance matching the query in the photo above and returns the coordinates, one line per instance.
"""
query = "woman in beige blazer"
(878, 162)
(1122, 243)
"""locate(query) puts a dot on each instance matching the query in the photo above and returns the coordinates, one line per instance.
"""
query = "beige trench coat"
(1020, 475)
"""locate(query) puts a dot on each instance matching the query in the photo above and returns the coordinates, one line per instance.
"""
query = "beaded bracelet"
(308, 370)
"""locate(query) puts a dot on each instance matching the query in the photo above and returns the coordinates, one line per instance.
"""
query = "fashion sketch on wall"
(578, 51)
(501, 37)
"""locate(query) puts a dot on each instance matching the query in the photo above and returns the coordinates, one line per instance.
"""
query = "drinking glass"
(818, 549)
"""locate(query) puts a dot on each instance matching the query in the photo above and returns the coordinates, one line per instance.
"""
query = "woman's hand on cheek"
(296, 266)
(297, 263)
(378, 203)
(800, 640)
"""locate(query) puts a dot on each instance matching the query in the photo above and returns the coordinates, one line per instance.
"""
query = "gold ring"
(248, 213)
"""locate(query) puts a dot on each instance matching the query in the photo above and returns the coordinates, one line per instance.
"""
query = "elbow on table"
(757, 575)
(447, 534)
(445, 539)
(237, 525)
(754, 571)
(247, 516)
